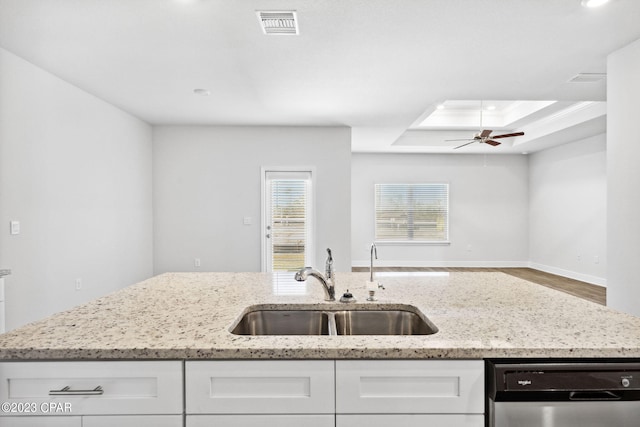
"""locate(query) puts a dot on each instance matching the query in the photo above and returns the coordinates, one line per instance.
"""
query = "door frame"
(309, 249)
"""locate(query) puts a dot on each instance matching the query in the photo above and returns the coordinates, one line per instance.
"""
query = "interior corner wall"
(568, 210)
(488, 208)
(76, 172)
(623, 152)
(207, 179)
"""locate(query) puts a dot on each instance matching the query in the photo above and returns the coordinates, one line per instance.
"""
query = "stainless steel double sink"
(361, 320)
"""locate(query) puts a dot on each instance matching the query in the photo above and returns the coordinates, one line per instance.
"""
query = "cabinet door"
(260, 420)
(416, 420)
(132, 421)
(410, 386)
(260, 387)
(40, 421)
(94, 388)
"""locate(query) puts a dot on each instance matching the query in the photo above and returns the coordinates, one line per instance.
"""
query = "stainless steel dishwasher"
(563, 394)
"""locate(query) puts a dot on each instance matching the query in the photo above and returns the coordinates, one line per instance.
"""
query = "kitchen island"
(161, 353)
(180, 316)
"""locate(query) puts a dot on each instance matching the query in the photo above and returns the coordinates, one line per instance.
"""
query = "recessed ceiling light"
(593, 3)
(278, 22)
(491, 107)
(202, 92)
(440, 107)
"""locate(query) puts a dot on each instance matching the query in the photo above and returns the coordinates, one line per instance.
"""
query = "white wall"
(207, 179)
(76, 172)
(488, 205)
(623, 168)
(568, 210)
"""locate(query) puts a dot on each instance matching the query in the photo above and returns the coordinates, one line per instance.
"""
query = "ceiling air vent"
(588, 78)
(280, 22)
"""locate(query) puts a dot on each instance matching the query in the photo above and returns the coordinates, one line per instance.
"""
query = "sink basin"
(356, 321)
(283, 322)
(382, 322)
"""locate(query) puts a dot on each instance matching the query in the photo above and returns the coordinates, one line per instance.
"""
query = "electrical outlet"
(596, 259)
(196, 262)
(78, 283)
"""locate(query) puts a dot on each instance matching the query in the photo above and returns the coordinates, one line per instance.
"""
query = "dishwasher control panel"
(509, 377)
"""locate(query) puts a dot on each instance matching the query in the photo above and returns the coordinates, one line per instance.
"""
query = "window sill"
(409, 243)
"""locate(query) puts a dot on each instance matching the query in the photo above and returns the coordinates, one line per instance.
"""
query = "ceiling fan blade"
(508, 135)
(465, 139)
(464, 145)
(492, 142)
(485, 133)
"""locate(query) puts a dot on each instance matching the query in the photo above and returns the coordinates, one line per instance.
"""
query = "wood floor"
(577, 288)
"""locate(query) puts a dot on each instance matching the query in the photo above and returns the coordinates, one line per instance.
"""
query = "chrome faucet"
(371, 286)
(374, 250)
(328, 282)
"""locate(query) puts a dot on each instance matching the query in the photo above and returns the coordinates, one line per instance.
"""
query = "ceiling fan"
(484, 137)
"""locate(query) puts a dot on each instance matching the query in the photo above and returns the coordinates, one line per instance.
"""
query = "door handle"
(593, 395)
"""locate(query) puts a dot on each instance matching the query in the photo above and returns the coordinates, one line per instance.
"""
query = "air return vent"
(278, 22)
(588, 78)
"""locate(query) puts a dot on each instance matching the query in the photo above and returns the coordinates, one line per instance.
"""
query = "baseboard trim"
(436, 264)
(594, 280)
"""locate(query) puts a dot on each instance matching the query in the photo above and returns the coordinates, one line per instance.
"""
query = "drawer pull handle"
(66, 391)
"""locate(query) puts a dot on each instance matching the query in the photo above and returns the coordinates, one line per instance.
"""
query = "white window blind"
(412, 213)
(290, 227)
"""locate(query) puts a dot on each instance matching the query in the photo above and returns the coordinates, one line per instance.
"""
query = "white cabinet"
(40, 421)
(437, 393)
(409, 387)
(94, 421)
(283, 393)
(343, 393)
(410, 420)
(260, 420)
(260, 387)
(83, 393)
(133, 421)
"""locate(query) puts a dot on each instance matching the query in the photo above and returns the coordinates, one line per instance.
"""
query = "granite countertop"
(189, 315)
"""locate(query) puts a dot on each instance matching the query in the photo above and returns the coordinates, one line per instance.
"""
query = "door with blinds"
(287, 204)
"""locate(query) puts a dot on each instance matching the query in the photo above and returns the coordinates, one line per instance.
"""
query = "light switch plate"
(15, 227)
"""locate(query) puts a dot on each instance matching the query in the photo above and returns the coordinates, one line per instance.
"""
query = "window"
(412, 213)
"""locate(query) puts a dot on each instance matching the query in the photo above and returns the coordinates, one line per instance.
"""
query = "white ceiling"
(378, 66)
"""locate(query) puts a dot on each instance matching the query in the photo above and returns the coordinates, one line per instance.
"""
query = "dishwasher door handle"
(583, 396)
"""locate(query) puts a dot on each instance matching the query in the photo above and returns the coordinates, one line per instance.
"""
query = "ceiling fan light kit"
(484, 136)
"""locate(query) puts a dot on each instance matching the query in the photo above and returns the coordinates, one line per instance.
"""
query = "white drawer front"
(133, 421)
(40, 421)
(260, 387)
(78, 388)
(410, 386)
(260, 421)
(415, 420)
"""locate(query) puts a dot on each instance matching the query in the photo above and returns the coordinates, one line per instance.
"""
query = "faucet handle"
(329, 265)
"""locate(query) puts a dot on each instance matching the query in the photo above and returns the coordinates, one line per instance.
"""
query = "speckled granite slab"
(189, 315)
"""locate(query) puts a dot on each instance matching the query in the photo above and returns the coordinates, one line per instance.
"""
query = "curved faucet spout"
(329, 289)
